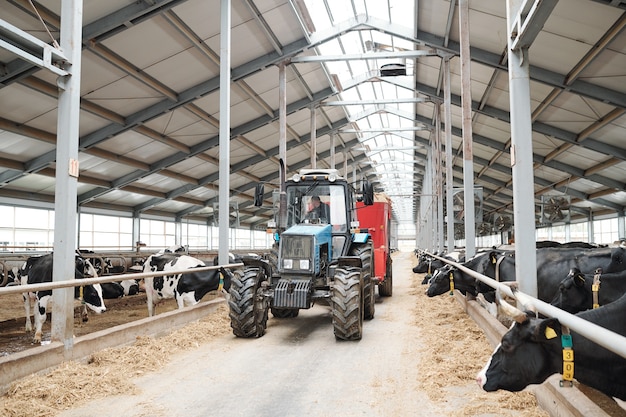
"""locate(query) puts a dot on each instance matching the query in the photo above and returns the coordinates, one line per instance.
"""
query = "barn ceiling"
(149, 120)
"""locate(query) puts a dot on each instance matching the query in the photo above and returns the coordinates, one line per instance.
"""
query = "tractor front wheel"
(346, 301)
(248, 306)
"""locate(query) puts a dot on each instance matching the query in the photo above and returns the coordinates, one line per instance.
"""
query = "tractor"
(320, 255)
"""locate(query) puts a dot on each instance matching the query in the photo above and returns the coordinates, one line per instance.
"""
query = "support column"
(313, 139)
(522, 159)
(224, 151)
(332, 150)
(439, 179)
(468, 150)
(448, 130)
(67, 175)
(282, 143)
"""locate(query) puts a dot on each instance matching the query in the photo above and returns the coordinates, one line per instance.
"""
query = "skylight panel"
(402, 12)
(340, 9)
(318, 14)
(379, 9)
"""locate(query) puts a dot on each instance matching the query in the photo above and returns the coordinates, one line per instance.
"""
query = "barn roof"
(149, 120)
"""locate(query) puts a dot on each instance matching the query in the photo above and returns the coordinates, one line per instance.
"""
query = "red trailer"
(377, 220)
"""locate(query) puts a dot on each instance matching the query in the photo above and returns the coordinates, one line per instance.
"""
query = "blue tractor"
(319, 256)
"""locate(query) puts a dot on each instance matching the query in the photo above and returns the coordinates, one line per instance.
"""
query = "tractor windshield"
(317, 204)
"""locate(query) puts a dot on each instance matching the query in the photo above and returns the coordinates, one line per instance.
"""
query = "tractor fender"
(360, 237)
(354, 261)
(258, 262)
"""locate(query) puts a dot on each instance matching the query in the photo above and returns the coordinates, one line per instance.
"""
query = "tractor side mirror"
(259, 191)
(368, 193)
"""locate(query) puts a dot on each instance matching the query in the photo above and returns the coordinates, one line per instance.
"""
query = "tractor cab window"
(317, 204)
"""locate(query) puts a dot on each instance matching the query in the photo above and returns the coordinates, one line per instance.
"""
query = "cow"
(428, 264)
(104, 266)
(37, 270)
(9, 278)
(532, 350)
(552, 265)
(187, 289)
(486, 262)
(575, 291)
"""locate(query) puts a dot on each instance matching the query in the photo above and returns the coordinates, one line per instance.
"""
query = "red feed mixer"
(377, 219)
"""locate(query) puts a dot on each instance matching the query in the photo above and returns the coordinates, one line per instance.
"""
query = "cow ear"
(547, 330)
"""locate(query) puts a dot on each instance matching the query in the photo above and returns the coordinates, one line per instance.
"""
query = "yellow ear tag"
(550, 333)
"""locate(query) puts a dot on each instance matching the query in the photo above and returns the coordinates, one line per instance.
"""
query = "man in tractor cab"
(318, 210)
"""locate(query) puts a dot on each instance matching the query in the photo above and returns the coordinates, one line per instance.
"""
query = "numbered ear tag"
(550, 333)
(568, 371)
(568, 355)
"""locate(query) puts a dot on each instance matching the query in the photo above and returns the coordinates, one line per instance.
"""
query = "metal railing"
(19, 289)
(610, 340)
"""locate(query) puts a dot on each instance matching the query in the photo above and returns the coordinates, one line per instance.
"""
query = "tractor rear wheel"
(369, 287)
(248, 306)
(386, 288)
(347, 304)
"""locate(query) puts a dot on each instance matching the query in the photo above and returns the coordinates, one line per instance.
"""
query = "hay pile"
(454, 351)
(107, 372)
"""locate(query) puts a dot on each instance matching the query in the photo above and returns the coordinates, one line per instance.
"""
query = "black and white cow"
(428, 264)
(104, 266)
(38, 269)
(485, 262)
(575, 291)
(187, 289)
(532, 350)
(552, 265)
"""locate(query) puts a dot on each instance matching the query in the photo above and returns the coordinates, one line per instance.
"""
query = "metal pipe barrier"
(610, 340)
(20, 289)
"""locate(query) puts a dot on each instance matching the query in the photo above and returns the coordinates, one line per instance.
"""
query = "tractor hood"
(322, 232)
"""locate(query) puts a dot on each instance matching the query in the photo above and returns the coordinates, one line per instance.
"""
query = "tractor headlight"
(304, 264)
(288, 263)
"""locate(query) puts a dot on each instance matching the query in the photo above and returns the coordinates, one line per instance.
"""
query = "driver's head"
(315, 200)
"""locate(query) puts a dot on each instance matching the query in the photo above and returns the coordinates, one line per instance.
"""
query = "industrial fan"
(458, 205)
(555, 208)
(233, 215)
(483, 229)
(502, 223)
(459, 231)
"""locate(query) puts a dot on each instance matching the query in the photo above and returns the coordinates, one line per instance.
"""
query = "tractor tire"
(369, 287)
(248, 307)
(386, 288)
(347, 304)
(285, 313)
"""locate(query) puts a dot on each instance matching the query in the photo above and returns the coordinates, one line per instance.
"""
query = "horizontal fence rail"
(19, 289)
(610, 340)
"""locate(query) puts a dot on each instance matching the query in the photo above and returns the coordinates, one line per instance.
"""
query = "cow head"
(523, 357)
(573, 295)
(92, 293)
(440, 281)
(92, 297)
